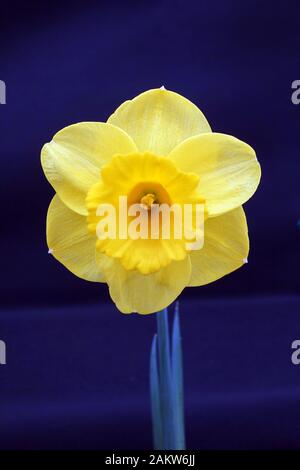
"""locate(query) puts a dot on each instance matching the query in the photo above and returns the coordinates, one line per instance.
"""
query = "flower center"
(148, 193)
(148, 200)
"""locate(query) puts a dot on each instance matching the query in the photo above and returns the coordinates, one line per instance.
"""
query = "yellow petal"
(72, 160)
(158, 120)
(70, 242)
(226, 247)
(134, 292)
(228, 169)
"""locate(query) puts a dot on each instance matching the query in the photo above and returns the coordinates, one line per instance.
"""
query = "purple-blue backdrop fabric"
(77, 370)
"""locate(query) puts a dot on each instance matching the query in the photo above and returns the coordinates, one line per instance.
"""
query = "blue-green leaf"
(155, 397)
(177, 377)
(165, 378)
(166, 382)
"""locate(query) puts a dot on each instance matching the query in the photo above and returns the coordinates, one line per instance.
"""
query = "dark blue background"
(77, 370)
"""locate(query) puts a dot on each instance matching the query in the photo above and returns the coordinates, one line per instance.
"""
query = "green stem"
(166, 385)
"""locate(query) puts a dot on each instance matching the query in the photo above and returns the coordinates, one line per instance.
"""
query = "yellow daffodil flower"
(157, 148)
